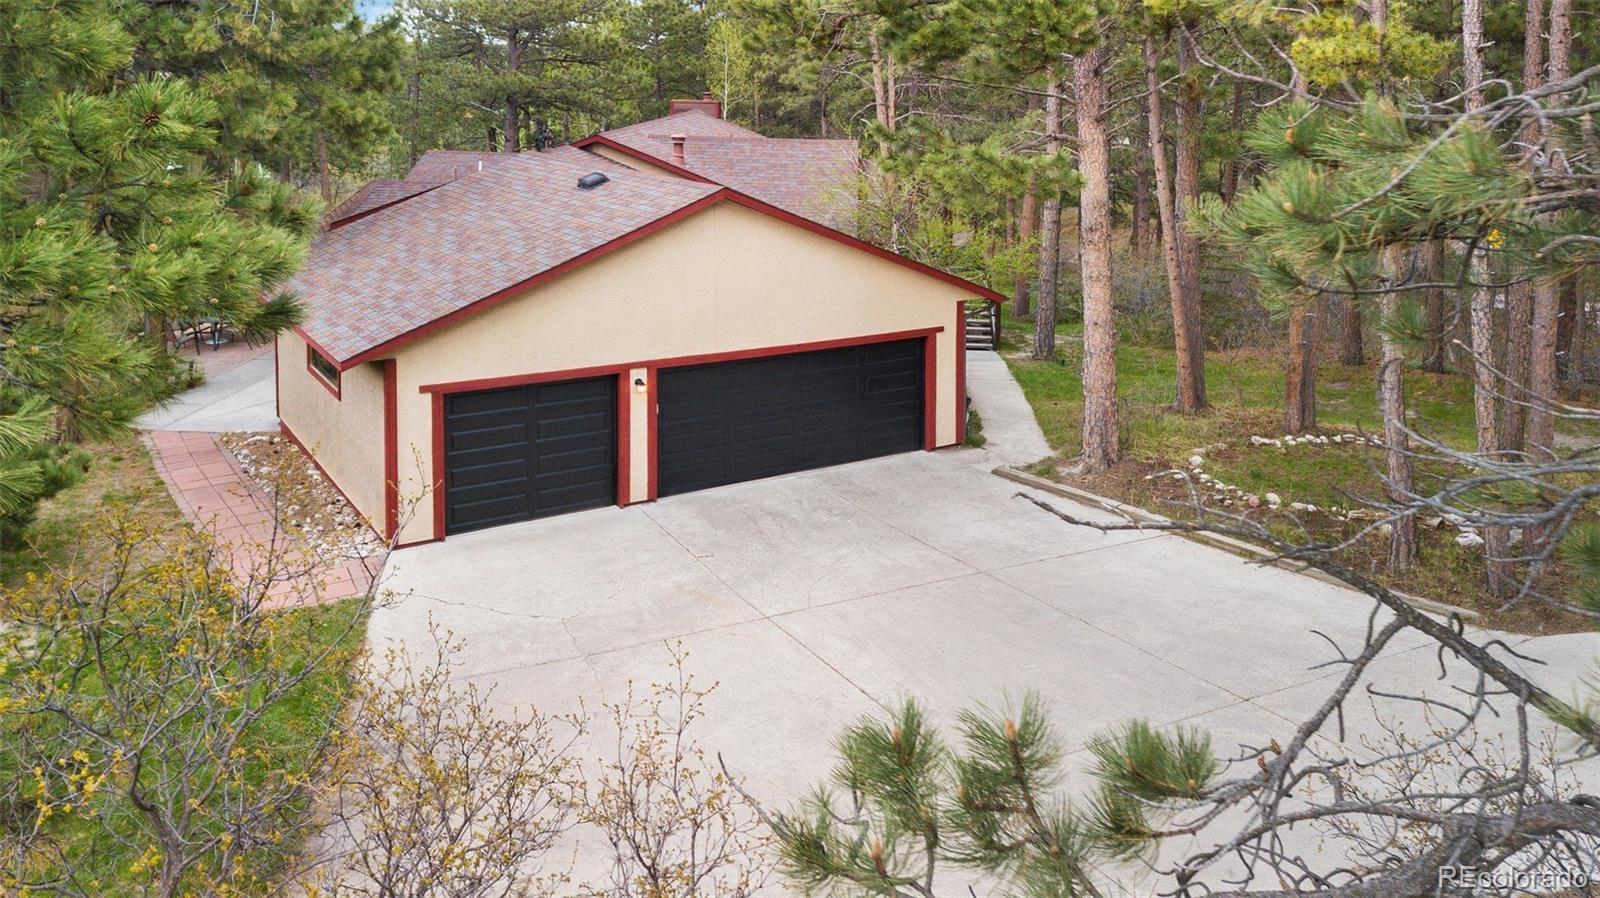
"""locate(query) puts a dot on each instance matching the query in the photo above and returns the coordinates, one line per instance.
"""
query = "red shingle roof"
(376, 195)
(391, 272)
(810, 177)
(437, 167)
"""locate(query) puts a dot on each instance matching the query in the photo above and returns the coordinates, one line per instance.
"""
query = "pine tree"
(509, 65)
(116, 219)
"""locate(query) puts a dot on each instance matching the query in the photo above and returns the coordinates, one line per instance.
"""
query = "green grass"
(284, 737)
(1245, 389)
(120, 472)
(1242, 386)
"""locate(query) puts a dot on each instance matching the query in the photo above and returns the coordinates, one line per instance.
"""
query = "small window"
(323, 369)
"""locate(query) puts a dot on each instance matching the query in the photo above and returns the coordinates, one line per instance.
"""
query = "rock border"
(1228, 544)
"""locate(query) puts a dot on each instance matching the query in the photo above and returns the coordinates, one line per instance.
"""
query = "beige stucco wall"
(344, 433)
(724, 279)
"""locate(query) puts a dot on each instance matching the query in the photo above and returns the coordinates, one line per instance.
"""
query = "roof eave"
(728, 194)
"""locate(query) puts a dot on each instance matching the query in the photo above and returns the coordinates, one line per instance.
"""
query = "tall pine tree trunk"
(1433, 354)
(1027, 221)
(1352, 351)
(1545, 332)
(513, 108)
(1392, 405)
(1139, 222)
(1566, 328)
(1044, 312)
(1300, 380)
(1519, 345)
(1229, 179)
(1580, 335)
(1101, 439)
(1542, 372)
(1188, 332)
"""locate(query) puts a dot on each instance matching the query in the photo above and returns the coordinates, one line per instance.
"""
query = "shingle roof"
(443, 166)
(437, 167)
(377, 194)
(391, 272)
(809, 177)
(690, 122)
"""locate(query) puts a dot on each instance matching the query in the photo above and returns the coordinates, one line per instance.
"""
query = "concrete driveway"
(818, 597)
(815, 598)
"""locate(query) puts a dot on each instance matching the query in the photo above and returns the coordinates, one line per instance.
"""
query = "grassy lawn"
(120, 472)
(281, 744)
(1245, 389)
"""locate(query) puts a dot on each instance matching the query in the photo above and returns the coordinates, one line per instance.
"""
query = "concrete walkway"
(239, 399)
(1009, 427)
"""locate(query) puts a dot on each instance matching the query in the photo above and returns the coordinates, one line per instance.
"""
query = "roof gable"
(399, 268)
(390, 276)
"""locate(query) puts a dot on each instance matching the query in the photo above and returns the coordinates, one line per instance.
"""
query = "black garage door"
(738, 421)
(526, 452)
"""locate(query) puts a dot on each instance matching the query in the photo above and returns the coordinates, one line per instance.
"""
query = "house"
(500, 337)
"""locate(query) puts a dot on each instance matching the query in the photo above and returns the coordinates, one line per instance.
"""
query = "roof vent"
(592, 180)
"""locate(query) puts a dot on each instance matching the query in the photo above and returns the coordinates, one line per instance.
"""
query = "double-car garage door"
(547, 449)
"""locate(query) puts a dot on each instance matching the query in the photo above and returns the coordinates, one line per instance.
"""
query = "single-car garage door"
(531, 451)
(735, 421)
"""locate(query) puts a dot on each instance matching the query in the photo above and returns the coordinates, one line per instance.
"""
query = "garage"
(534, 338)
(529, 452)
(743, 420)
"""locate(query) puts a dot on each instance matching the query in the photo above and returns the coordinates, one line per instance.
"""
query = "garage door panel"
(736, 421)
(526, 452)
(510, 436)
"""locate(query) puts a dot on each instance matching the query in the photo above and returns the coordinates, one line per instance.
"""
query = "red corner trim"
(391, 451)
(438, 466)
(624, 438)
(652, 408)
(961, 373)
(930, 393)
(284, 426)
(642, 156)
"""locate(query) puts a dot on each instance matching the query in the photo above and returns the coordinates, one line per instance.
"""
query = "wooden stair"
(983, 326)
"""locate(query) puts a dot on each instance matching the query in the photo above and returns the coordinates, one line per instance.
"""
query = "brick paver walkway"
(215, 494)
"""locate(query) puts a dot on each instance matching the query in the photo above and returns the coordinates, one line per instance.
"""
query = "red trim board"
(438, 466)
(961, 372)
(391, 451)
(930, 392)
(651, 414)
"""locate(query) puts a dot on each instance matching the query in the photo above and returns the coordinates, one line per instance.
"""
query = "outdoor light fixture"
(638, 385)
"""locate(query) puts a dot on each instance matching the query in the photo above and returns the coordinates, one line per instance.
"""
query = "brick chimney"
(678, 140)
(708, 104)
